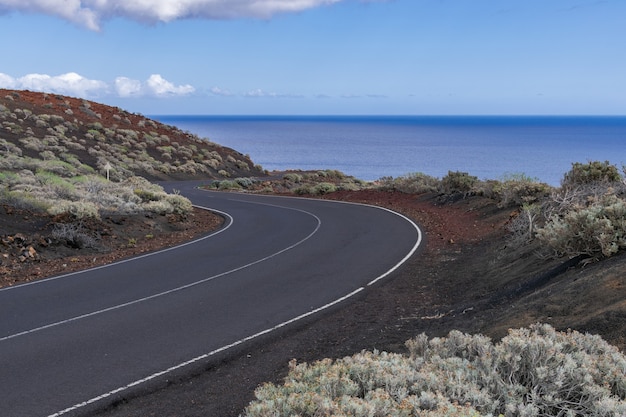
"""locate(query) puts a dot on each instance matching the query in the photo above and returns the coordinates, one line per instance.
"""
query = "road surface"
(77, 341)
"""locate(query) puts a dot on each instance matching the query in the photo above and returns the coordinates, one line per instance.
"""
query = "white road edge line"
(269, 330)
(173, 290)
(408, 255)
(41, 281)
(202, 357)
(418, 242)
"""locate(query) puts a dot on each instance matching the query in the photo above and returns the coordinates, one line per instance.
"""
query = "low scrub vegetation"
(584, 217)
(86, 195)
(44, 127)
(315, 183)
(530, 373)
(92, 160)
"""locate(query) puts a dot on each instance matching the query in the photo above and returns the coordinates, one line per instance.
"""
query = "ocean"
(371, 147)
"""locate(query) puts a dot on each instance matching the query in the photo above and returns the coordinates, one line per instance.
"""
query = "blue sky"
(322, 56)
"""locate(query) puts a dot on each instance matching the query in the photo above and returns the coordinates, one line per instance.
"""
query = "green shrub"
(79, 209)
(518, 190)
(331, 174)
(160, 207)
(181, 205)
(245, 182)
(412, 183)
(228, 185)
(323, 188)
(597, 229)
(591, 172)
(531, 372)
(293, 177)
(348, 186)
(147, 195)
(458, 182)
(303, 190)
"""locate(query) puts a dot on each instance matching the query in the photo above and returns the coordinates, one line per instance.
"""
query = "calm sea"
(372, 147)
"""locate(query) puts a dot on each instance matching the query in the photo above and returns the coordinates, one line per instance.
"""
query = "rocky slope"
(56, 150)
(76, 131)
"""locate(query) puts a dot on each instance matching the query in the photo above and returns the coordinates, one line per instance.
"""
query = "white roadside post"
(107, 168)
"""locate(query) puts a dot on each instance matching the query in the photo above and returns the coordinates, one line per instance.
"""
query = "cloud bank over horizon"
(91, 13)
(74, 84)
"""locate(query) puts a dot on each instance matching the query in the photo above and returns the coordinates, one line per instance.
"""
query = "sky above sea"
(338, 57)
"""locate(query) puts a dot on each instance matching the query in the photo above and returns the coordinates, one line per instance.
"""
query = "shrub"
(412, 183)
(147, 195)
(331, 173)
(228, 185)
(458, 182)
(323, 188)
(594, 171)
(73, 234)
(293, 177)
(522, 227)
(595, 230)
(161, 207)
(245, 182)
(79, 209)
(303, 190)
(242, 165)
(518, 190)
(181, 205)
(531, 372)
(348, 185)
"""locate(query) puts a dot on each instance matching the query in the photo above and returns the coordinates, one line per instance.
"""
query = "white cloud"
(259, 93)
(69, 84)
(126, 87)
(73, 84)
(268, 94)
(159, 86)
(220, 92)
(6, 81)
(90, 13)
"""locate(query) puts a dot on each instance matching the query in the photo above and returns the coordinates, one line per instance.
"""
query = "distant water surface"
(372, 147)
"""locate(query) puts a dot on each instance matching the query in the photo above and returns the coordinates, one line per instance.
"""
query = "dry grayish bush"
(530, 373)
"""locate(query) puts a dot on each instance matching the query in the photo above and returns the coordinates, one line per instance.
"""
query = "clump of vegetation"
(132, 144)
(86, 196)
(531, 372)
(458, 182)
(413, 183)
(591, 172)
(293, 177)
(587, 215)
(517, 190)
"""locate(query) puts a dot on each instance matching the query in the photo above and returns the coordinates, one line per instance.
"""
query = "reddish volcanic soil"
(464, 277)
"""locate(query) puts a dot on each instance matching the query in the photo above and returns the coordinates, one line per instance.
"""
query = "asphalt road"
(76, 341)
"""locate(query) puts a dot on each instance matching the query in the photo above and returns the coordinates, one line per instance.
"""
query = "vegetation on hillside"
(585, 217)
(65, 155)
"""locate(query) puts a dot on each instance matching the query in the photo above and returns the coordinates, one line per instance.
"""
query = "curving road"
(79, 340)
